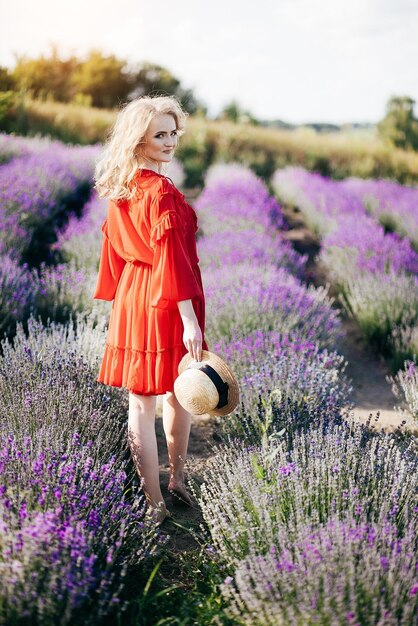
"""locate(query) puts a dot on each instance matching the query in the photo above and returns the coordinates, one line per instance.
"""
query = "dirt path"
(184, 526)
(366, 368)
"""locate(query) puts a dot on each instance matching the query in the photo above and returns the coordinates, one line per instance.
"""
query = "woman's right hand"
(192, 339)
(192, 335)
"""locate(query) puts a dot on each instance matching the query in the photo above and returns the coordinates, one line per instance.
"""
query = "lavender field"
(305, 517)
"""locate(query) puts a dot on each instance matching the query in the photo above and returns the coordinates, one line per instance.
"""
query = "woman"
(149, 268)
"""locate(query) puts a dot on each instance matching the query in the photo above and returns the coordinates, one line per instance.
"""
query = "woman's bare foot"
(179, 492)
(159, 512)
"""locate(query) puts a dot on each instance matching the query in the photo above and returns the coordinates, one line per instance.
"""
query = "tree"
(400, 126)
(45, 76)
(234, 113)
(150, 79)
(98, 80)
(104, 78)
(7, 82)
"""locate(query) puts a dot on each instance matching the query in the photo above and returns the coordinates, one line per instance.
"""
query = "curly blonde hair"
(121, 156)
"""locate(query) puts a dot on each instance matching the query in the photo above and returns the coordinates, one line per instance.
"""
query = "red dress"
(148, 263)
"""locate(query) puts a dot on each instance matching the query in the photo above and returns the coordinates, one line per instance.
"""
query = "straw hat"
(206, 386)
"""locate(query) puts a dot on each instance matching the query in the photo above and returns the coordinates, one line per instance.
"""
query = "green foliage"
(400, 126)
(99, 80)
(7, 82)
(196, 153)
(195, 595)
(45, 77)
(153, 79)
(102, 78)
(7, 101)
(234, 113)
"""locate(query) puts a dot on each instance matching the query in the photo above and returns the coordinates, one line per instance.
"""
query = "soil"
(185, 525)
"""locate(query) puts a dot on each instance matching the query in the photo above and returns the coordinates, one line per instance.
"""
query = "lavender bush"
(56, 293)
(85, 338)
(36, 193)
(17, 285)
(61, 290)
(12, 147)
(382, 305)
(405, 387)
(231, 248)
(257, 309)
(17, 146)
(43, 383)
(360, 245)
(249, 493)
(357, 254)
(249, 298)
(344, 572)
(235, 199)
(313, 532)
(64, 518)
(394, 205)
(222, 171)
(80, 241)
(67, 534)
(347, 225)
(49, 292)
(404, 340)
(322, 201)
(285, 382)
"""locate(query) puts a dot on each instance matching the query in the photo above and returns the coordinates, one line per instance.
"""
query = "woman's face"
(160, 139)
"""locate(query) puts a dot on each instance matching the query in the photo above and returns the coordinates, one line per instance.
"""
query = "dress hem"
(142, 372)
(140, 393)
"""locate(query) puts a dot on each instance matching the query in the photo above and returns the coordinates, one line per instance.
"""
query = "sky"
(300, 61)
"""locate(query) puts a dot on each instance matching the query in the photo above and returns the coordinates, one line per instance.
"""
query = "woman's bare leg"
(143, 445)
(176, 423)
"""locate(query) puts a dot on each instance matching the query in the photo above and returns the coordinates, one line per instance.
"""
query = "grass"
(186, 579)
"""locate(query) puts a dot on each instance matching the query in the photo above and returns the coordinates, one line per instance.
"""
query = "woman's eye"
(161, 134)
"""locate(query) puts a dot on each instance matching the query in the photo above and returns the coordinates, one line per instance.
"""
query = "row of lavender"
(376, 273)
(72, 522)
(312, 521)
(276, 332)
(41, 182)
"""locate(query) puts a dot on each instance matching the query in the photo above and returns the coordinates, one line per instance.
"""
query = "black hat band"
(221, 386)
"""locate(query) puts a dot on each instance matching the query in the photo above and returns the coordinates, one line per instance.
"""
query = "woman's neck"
(150, 166)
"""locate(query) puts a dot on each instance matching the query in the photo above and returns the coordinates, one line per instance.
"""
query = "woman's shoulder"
(164, 186)
(155, 184)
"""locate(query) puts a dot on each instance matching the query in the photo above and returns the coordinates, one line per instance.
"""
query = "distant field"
(335, 154)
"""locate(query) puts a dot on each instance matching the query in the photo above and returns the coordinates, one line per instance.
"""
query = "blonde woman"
(149, 268)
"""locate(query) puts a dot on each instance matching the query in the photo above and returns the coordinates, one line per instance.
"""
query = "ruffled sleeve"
(173, 278)
(110, 268)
